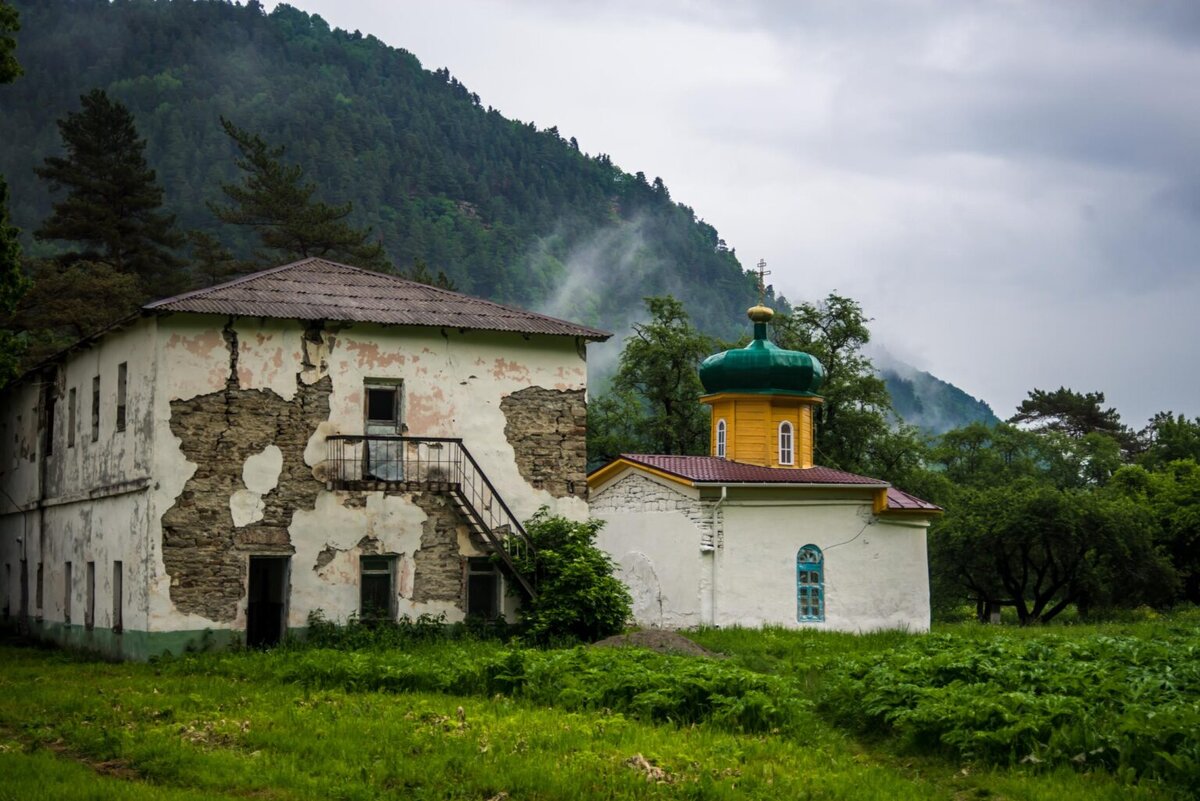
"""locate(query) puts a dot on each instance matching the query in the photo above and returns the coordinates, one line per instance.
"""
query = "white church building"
(754, 533)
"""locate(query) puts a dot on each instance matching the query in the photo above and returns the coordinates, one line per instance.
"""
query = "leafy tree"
(857, 430)
(1042, 550)
(614, 427)
(1072, 413)
(274, 200)
(579, 598)
(212, 263)
(660, 367)
(112, 207)
(10, 23)
(70, 301)
(1168, 438)
(421, 273)
(12, 283)
(1172, 495)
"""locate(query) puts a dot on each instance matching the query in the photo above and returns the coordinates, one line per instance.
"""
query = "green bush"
(637, 683)
(579, 598)
(1124, 704)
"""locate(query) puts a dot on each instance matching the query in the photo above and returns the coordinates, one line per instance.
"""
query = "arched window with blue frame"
(810, 584)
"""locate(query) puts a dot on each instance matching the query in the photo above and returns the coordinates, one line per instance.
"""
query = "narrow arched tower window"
(810, 584)
(786, 449)
(720, 439)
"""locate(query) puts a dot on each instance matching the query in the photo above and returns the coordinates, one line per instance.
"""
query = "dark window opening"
(483, 588)
(71, 418)
(67, 594)
(122, 378)
(38, 590)
(95, 408)
(377, 594)
(89, 610)
(50, 403)
(118, 593)
(381, 405)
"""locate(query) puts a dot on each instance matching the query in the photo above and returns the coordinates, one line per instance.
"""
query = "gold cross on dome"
(763, 272)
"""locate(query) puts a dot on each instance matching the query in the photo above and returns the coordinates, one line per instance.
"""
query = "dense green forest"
(502, 209)
(497, 205)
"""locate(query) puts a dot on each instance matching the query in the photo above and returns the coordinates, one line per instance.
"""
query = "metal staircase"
(433, 464)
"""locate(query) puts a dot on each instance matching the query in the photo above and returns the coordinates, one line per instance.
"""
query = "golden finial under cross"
(763, 272)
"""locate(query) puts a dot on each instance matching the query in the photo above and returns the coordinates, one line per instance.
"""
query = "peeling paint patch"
(512, 370)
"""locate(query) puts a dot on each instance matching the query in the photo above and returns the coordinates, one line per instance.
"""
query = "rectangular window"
(50, 403)
(483, 588)
(382, 405)
(122, 378)
(118, 594)
(67, 594)
(71, 418)
(95, 408)
(89, 609)
(377, 593)
(38, 590)
(24, 588)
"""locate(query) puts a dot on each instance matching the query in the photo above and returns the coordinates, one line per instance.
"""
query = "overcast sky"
(1012, 190)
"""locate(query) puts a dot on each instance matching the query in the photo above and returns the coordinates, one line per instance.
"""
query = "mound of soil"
(660, 640)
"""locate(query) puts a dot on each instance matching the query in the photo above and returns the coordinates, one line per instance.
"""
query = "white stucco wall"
(876, 568)
(659, 535)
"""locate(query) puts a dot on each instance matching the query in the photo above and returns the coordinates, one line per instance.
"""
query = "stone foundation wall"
(547, 429)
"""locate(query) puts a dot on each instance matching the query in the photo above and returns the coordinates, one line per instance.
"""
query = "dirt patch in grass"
(659, 640)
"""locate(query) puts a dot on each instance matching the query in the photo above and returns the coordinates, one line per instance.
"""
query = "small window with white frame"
(787, 454)
(721, 437)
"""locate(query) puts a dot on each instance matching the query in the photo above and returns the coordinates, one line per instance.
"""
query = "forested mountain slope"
(505, 210)
(498, 205)
(932, 404)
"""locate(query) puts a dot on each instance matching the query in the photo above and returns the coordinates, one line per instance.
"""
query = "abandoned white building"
(754, 533)
(309, 437)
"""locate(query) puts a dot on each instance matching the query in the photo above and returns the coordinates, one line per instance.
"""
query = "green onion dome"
(762, 366)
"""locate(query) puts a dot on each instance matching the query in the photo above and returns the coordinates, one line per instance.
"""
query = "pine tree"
(212, 263)
(112, 207)
(274, 200)
(12, 282)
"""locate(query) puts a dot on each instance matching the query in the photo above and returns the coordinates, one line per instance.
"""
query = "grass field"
(786, 715)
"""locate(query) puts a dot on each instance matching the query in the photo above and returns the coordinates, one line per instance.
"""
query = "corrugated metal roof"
(711, 469)
(317, 289)
(901, 501)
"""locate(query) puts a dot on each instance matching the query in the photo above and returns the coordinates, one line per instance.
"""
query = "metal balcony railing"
(432, 464)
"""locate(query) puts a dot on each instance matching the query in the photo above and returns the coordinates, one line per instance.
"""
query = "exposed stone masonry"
(438, 565)
(547, 429)
(637, 493)
(204, 554)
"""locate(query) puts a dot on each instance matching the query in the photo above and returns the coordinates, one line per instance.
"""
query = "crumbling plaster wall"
(454, 385)
(94, 505)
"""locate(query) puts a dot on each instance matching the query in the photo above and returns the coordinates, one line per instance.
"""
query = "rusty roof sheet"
(316, 289)
(710, 469)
